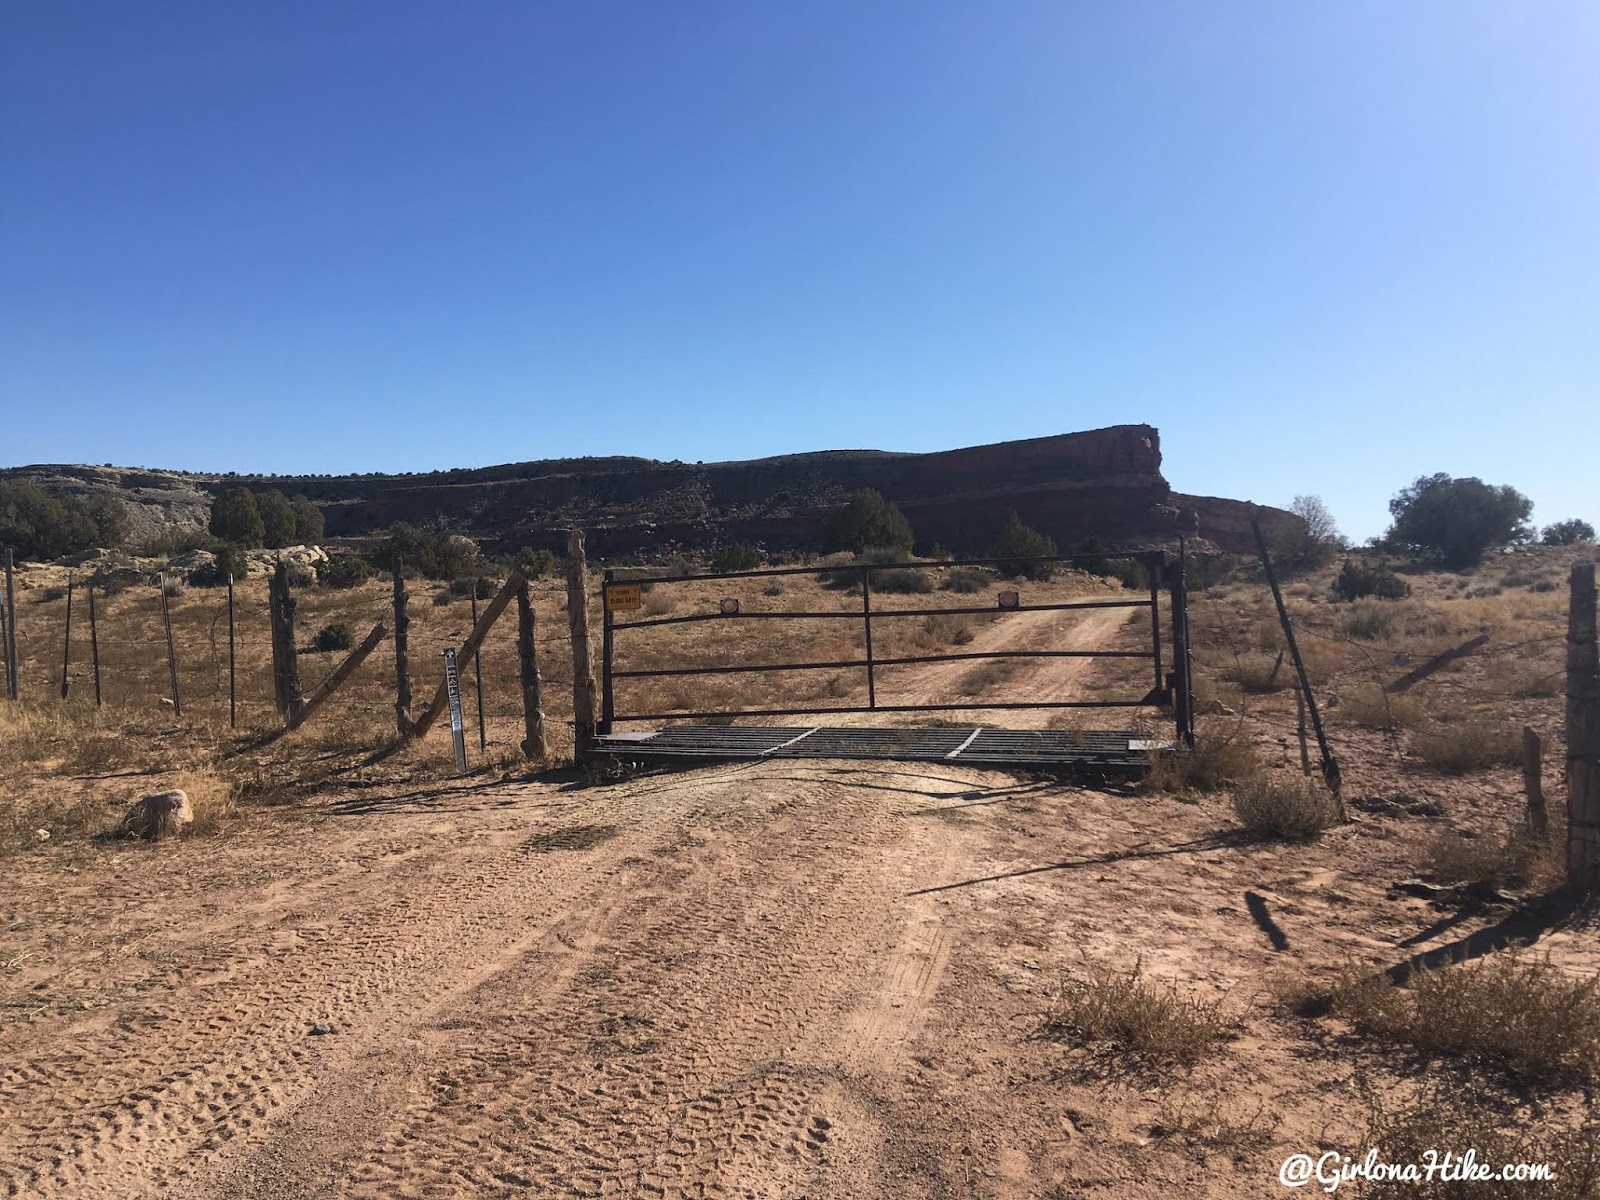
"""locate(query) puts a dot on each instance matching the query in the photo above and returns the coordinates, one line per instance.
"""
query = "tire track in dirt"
(689, 1033)
(200, 1079)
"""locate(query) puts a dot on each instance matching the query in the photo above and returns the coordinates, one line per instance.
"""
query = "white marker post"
(458, 727)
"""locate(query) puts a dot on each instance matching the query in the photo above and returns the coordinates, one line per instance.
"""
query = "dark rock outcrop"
(1104, 483)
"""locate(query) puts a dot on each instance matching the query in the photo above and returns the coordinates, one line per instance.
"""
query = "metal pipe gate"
(1172, 689)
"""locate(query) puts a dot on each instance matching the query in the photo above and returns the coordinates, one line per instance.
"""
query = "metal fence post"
(866, 618)
(608, 699)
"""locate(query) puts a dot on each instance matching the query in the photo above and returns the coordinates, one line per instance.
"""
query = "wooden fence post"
(1583, 733)
(8, 633)
(94, 644)
(402, 657)
(233, 695)
(66, 643)
(533, 742)
(172, 654)
(1533, 782)
(285, 654)
(582, 665)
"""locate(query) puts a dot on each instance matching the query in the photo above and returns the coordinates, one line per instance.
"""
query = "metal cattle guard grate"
(1098, 750)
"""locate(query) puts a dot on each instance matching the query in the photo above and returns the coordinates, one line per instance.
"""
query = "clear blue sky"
(1325, 248)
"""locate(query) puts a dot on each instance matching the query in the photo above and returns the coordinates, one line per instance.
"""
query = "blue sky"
(1325, 248)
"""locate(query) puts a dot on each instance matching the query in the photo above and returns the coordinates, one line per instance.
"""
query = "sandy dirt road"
(770, 980)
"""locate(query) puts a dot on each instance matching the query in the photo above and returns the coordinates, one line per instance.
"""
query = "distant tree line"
(39, 525)
(265, 520)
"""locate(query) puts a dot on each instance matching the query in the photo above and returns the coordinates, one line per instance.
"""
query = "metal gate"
(1168, 658)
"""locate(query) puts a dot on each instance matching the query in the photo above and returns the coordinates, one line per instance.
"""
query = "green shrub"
(534, 563)
(1457, 519)
(343, 571)
(277, 519)
(308, 523)
(901, 581)
(1131, 572)
(337, 636)
(432, 551)
(965, 581)
(228, 559)
(737, 557)
(1568, 533)
(1358, 578)
(236, 518)
(866, 520)
(1017, 543)
(38, 525)
(481, 587)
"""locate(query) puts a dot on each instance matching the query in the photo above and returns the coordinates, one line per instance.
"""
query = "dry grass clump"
(213, 799)
(1448, 1117)
(1491, 864)
(1215, 762)
(1520, 1015)
(1293, 811)
(1526, 680)
(1372, 707)
(1260, 672)
(1125, 1012)
(985, 675)
(1466, 746)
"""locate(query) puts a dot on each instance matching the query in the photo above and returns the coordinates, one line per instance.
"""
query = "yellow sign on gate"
(624, 597)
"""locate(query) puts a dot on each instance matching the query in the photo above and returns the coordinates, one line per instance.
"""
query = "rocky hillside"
(1105, 483)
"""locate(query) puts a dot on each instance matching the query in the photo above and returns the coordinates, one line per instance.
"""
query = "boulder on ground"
(156, 816)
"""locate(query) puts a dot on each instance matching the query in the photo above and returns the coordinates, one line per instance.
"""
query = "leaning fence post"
(1330, 765)
(477, 668)
(1583, 733)
(533, 743)
(66, 643)
(172, 654)
(583, 718)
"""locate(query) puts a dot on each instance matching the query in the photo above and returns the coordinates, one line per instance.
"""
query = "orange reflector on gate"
(729, 607)
(1010, 600)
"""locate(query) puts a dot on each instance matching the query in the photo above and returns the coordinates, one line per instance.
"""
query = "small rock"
(42, 834)
(158, 815)
(319, 1029)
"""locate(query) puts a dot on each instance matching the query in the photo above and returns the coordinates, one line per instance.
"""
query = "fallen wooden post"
(343, 671)
(469, 648)
(1434, 663)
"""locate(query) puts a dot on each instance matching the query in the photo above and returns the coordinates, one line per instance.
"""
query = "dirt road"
(771, 980)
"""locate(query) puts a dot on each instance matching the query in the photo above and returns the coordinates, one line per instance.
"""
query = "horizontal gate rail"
(965, 706)
(855, 615)
(877, 662)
